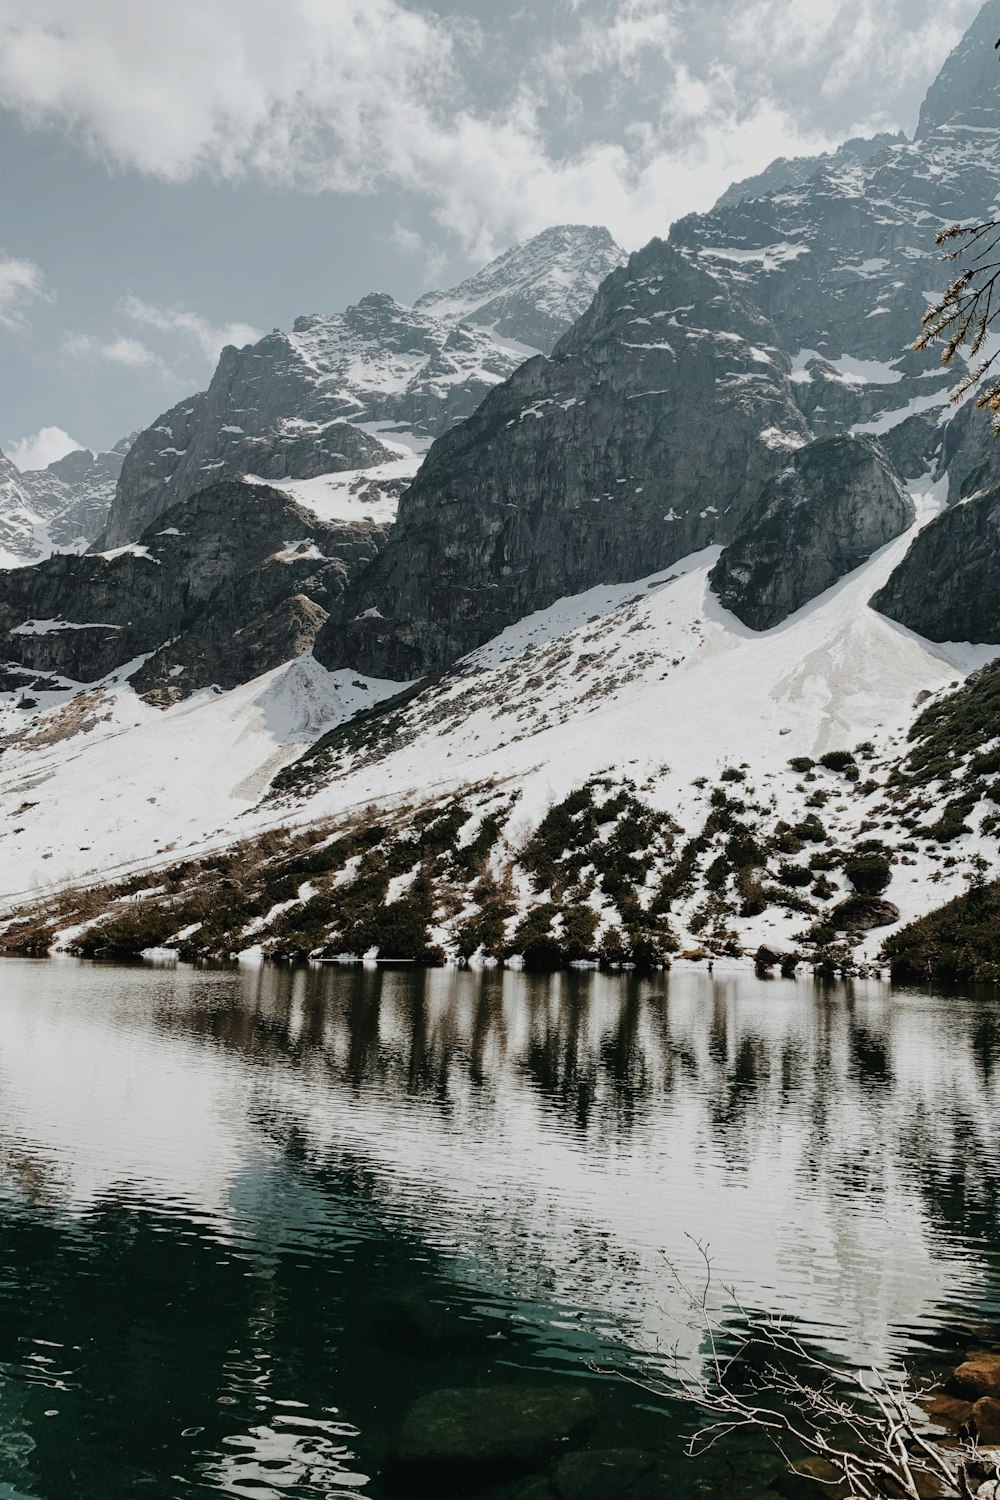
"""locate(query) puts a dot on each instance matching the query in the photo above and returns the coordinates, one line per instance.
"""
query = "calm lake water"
(247, 1218)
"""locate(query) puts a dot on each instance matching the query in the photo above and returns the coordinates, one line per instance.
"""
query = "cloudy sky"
(178, 177)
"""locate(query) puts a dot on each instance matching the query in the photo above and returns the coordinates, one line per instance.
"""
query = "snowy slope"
(792, 315)
(100, 782)
(650, 681)
(361, 494)
(655, 681)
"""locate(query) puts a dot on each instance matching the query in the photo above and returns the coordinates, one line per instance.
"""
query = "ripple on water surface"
(247, 1219)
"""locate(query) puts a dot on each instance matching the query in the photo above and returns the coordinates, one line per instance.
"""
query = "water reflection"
(247, 1216)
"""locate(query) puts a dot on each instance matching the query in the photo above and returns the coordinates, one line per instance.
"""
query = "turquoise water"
(248, 1218)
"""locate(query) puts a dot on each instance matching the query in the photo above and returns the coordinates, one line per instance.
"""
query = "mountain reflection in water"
(249, 1216)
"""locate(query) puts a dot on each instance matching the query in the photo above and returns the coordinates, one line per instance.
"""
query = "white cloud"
(347, 95)
(136, 354)
(19, 279)
(119, 350)
(850, 43)
(407, 240)
(616, 43)
(210, 339)
(41, 448)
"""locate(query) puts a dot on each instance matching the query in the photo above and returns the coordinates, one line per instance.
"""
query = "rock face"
(289, 407)
(835, 503)
(205, 602)
(58, 509)
(947, 587)
(654, 426)
(533, 292)
(795, 171)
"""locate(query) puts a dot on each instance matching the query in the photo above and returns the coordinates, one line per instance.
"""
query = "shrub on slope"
(960, 942)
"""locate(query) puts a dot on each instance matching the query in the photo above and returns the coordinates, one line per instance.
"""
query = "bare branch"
(963, 316)
(757, 1374)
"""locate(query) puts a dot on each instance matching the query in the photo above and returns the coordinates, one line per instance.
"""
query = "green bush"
(794, 875)
(579, 926)
(837, 760)
(534, 941)
(958, 943)
(136, 926)
(868, 873)
(810, 830)
(753, 896)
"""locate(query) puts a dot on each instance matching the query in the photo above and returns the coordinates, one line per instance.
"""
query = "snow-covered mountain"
(673, 645)
(58, 509)
(666, 412)
(358, 389)
(533, 292)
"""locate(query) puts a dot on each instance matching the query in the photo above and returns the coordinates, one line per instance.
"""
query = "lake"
(249, 1217)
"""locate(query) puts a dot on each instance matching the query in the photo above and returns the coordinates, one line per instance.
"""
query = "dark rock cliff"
(204, 601)
(648, 434)
(947, 588)
(660, 418)
(261, 415)
(288, 407)
(836, 502)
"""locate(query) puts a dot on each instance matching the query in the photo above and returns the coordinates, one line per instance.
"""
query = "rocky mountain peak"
(297, 405)
(532, 292)
(966, 93)
(57, 509)
(795, 171)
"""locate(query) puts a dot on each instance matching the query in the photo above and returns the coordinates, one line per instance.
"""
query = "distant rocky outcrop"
(58, 509)
(653, 426)
(947, 587)
(795, 171)
(289, 435)
(206, 602)
(533, 292)
(835, 503)
(309, 402)
(965, 96)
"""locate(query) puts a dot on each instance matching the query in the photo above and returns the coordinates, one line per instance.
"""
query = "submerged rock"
(947, 1411)
(453, 1436)
(535, 1488)
(625, 1473)
(978, 1376)
(810, 1477)
(986, 1415)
